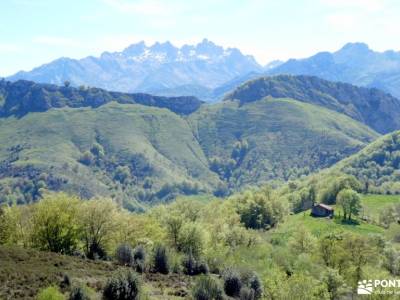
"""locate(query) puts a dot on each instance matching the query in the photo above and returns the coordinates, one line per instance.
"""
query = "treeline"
(178, 238)
(320, 188)
(228, 245)
(378, 166)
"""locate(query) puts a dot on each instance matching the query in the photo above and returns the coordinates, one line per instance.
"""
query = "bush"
(207, 288)
(122, 174)
(192, 267)
(191, 239)
(139, 253)
(202, 268)
(50, 293)
(232, 283)
(65, 282)
(97, 150)
(79, 293)
(96, 251)
(161, 264)
(256, 285)
(247, 294)
(124, 255)
(139, 258)
(123, 285)
(189, 265)
(87, 158)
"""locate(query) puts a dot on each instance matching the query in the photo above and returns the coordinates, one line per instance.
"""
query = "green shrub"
(189, 265)
(161, 264)
(192, 267)
(50, 293)
(202, 268)
(79, 293)
(96, 251)
(207, 288)
(139, 253)
(87, 158)
(122, 174)
(256, 285)
(139, 259)
(247, 294)
(65, 282)
(232, 283)
(124, 255)
(123, 285)
(191, 239)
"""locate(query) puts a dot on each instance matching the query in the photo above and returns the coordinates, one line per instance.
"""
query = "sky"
(34, 32)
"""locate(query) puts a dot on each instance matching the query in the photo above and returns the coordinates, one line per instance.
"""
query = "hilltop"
(274, 138)
(22, 97)
(372, 107)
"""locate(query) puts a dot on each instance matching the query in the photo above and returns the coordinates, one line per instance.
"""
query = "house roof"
(327, 207)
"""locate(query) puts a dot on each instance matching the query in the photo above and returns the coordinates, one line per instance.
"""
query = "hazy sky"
(33, 32)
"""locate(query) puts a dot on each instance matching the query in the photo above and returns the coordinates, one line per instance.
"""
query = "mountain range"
(155, 68)
(355, 63)
(209, 71)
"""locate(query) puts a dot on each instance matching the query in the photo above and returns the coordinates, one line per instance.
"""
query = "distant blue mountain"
(209, 71)
(355, 63)
(161, 68)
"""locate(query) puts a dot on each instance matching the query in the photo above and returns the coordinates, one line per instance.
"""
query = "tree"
(329, 246)
(6, 225)
(55, 223)
(97, 219)
(97, 150)
(303, 287)
(358, 252)
(334, 283)
(174, 224)
(87, 158)
(388, 215)
(302, 241)
(191, 239)
(122, 174)
(260, 209)
(337, 184)
(392, 260)
(350, 201)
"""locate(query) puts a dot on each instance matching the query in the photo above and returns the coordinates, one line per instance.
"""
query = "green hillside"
(137, 153)
(274, 139)
(142, 149)
(372, 107)
(114, 150)
(377, 166)
(372, 170)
